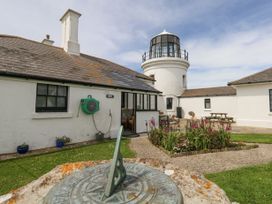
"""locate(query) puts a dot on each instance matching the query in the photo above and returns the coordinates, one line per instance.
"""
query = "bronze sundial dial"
(116, 183)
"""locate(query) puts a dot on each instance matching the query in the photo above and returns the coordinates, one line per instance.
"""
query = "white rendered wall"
(219, 104)
(168, 73)
(253, 105)
(19, 123)
(144, 116)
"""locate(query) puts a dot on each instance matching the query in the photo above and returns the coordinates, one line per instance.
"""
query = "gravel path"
(205, 163)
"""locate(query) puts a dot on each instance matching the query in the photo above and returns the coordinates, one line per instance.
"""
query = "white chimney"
(47, 40)
(69, 23)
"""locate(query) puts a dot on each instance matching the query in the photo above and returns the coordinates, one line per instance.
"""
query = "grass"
(246, 185)
(252, 138)
(15, 173)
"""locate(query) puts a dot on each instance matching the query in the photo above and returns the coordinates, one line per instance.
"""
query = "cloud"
(248, 48)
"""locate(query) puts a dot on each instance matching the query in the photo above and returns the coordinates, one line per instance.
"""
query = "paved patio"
(205, 163)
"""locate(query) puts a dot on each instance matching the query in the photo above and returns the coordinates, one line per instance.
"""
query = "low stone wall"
(242, 147)
(194, 187)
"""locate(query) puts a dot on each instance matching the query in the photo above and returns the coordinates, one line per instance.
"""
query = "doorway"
(128, 113)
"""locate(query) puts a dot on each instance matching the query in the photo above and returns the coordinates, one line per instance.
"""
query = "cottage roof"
(211, 91)
(20, 57)
(259, 77)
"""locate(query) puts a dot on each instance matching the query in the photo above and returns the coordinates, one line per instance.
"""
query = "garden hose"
(109, 124)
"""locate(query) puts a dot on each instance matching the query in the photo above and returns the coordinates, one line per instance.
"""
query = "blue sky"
(226, 39)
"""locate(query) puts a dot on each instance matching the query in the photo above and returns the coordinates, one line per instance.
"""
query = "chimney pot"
(47, 40)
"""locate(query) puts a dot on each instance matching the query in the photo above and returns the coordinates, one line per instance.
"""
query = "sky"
(226, 39)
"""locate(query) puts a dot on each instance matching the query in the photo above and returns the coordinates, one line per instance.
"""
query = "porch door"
(128, 112)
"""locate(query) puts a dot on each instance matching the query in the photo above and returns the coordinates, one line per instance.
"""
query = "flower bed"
(201, 136)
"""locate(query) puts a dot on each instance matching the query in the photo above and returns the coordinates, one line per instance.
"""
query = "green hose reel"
(89, 105)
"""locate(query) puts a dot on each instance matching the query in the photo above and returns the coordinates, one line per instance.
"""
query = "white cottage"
(41, 87)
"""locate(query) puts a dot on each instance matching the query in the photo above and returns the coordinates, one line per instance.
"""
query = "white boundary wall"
(253, 105)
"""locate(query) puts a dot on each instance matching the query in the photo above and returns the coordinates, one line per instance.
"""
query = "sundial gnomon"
(116, 183)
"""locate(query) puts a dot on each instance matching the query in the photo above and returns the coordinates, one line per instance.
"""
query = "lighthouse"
(167, 63)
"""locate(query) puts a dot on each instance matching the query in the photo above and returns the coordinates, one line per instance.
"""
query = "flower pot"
(22, 149)
(59, 144)
(99, 136)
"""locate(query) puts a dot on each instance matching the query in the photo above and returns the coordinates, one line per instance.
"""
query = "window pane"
(164, 38)
(270, 99)
(207, 104)
(51, 101)
(41, 89)
(41, 101)
(145, 102)
(170, 38)
(169, 103)
(152, 102)
(139, 101)
(61, 102)
(62, 90)
(52, 90)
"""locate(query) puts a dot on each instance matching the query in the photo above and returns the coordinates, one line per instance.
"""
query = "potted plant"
(61, 141)
(23, 148)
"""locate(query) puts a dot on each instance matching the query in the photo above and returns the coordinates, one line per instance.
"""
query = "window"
(51, 98)
(270, 99)
(153, 77)
(146, 102)
(184, 81)
(207, 103)
(123, 100)
(169, 103)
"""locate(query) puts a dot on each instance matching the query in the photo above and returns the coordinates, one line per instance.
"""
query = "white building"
(41, 87)
(248, 100)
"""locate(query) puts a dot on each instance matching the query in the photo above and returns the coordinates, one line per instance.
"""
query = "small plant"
(61, 141)
(23, 148)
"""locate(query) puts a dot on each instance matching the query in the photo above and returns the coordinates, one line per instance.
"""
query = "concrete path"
(205, 163)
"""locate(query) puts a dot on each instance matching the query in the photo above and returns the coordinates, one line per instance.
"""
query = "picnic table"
(219, 117)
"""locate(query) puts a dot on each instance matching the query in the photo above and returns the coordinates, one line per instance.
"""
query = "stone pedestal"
(194, 188)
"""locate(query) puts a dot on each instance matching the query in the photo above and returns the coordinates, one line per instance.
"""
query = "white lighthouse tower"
(167, 63)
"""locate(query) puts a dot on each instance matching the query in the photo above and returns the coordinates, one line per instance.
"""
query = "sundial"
(116, 182)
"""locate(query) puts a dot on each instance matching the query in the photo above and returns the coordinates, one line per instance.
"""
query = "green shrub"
(156, 136)
(204, 135)
(171, 140)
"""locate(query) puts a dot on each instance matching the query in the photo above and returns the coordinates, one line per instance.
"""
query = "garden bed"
(205, 151)
(201, 136)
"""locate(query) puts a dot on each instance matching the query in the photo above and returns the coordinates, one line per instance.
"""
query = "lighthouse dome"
(165, 44)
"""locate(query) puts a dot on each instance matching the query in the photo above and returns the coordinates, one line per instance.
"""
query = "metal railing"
(151, 55)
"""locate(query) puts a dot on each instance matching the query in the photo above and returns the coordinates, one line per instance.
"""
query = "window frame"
(171, 103)
(270, 99)
(53, 108)
(145, 102)
(205, 107)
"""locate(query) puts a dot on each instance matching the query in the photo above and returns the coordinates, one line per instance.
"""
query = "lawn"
(255, 138)
(246, 185)
(15, 173)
